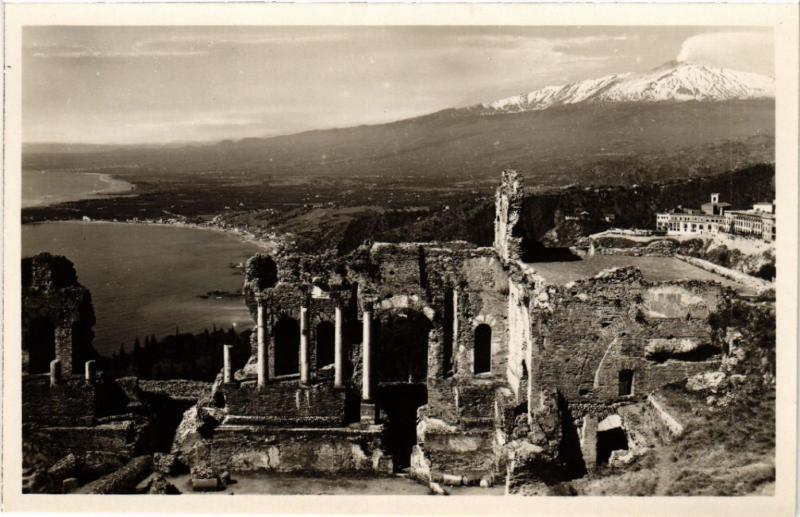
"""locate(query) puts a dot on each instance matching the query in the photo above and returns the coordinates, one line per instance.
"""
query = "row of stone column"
(338, 379)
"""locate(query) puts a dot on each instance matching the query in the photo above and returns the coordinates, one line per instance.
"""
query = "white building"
(716, 217)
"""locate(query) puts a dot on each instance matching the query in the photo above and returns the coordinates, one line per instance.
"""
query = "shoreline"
(269, 246)
(113, 186)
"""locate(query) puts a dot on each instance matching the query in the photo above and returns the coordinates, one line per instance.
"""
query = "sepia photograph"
(399, 260)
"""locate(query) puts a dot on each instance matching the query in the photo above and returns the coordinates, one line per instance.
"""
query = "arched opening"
(403, 347)
(325, 344)
(482, 353)
(287, 347)
(41, 345)
(402, 370)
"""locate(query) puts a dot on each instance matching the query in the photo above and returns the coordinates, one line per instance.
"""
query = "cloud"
(748, 51)
(78, 52)
(191, 42)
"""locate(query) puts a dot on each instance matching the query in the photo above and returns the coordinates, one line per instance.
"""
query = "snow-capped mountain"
(672, 81)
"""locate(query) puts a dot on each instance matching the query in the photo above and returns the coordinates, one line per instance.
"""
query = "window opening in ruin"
(483, 349)
(41, 345)
(325, 344)
(609, 441)
(625, 383)
(287, 347)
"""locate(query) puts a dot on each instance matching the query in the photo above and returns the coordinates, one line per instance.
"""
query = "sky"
(159, 85)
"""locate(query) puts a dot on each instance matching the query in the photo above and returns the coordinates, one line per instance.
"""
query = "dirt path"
(665, 468)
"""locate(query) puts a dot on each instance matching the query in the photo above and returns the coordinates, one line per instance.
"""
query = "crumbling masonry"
(456, 362)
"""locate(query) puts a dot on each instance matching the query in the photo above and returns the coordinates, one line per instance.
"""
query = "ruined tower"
(57, 315)
(508, 205)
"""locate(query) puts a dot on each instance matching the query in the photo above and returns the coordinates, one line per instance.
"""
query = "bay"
(148, 279)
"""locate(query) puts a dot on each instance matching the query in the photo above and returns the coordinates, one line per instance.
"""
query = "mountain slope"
(619, 129)
(673, 81)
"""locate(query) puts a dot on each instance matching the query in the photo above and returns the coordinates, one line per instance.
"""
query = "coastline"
(270, 246)
(111, 186)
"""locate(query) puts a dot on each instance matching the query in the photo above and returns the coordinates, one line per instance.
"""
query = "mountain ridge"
(676, 81)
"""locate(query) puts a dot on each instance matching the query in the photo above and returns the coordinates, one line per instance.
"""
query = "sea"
(149, 279)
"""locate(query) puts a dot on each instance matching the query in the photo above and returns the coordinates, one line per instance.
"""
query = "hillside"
(597, 144)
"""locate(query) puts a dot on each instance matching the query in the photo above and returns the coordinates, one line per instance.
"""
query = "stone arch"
(488, 319)
(325, 336)
(287, 346)
(402, 337)
(401, 302)
(482, 349)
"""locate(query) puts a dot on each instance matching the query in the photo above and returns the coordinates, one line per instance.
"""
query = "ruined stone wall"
(180, 389)
(508, 205)
(73, 402)
(519, 338)
(591, 330)
(286, 402)
(46, 445)
(329, 451)
(428, 278)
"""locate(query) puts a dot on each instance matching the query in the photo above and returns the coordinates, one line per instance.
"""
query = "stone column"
(262, 346)
(304, 345)
(227, 368)
(338, 350)
(55, 372)
(90, 371)
(366, 358)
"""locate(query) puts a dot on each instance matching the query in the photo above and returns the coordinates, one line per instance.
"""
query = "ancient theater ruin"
(452, 362)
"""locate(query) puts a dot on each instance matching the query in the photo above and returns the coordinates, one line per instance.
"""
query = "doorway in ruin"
(41, 345)
(402, 371)
(287, 347)
(608, 441)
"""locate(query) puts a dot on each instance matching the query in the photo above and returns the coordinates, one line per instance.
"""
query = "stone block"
(369, 413)
(69, 485)
(452, 479)
(437, 489)
(206, 484)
